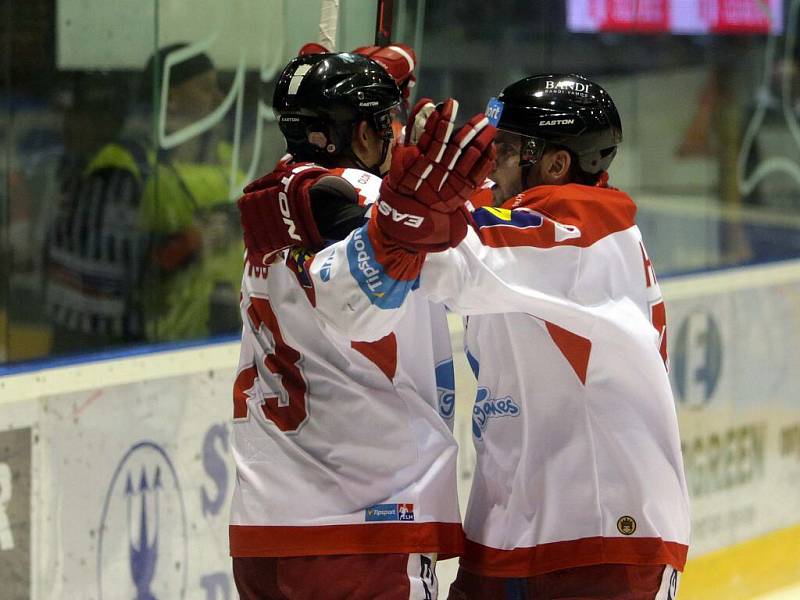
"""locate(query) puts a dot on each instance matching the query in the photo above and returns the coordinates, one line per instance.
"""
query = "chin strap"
(388, 138)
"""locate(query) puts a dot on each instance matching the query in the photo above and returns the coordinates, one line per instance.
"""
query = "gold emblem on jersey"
(626, 525)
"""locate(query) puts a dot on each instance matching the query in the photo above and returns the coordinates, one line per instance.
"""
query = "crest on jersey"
(626, 525)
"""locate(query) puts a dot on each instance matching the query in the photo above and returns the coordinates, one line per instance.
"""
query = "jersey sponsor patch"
(389, 512)
(493, 217)
(487, 408)
(446, 388)
(382, 290)
(325, 269)
(494, 110)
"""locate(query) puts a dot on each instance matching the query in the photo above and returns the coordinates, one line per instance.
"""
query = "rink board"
(115, 476)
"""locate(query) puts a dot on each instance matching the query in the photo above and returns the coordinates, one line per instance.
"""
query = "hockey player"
(579, 489)
(346, 482)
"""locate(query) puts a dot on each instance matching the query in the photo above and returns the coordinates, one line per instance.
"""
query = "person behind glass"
(346, 463)
(579, 488)
(93, 245)
(186, 215)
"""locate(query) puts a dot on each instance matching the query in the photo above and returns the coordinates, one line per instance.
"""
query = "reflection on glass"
(144, 240)
(118, 219)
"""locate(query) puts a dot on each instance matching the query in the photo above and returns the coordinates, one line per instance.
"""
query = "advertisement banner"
(735, 385)
(689, 17)
(139, 480)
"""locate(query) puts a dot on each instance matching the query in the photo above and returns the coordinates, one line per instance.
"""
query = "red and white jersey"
(339, 444)
(578, 453)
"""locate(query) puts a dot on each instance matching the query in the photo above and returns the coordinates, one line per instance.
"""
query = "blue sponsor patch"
(389, 512)
(446, 388)
(492, 217)
(325, 269)
(494, 110)
(382, 290)
(487, 408)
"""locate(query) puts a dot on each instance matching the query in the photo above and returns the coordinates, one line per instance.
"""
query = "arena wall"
(116, 473)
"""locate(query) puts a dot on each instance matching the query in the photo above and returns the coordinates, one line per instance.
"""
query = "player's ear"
(557, 167)
(360, 139)
(362, 132)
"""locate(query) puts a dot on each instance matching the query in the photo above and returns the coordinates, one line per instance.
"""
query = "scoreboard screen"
(689, 17)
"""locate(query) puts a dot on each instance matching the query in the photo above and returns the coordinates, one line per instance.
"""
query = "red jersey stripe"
(362, 538)
(527, 562)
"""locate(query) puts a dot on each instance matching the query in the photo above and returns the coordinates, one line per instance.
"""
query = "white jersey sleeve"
(497, 269)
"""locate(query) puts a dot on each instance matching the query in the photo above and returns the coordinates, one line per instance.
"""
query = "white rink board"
(734, 360)
(108, 459)
(99, 449)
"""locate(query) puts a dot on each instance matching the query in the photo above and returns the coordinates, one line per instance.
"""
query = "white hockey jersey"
(339, 444)
(578, 453)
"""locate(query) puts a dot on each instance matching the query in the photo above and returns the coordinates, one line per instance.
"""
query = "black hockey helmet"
(319, 97)
(565, 110)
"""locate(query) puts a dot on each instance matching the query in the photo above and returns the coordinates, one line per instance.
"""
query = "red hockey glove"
(275, 211)
(399, 60)
(312, 48)
(417, 119)
(421, 205)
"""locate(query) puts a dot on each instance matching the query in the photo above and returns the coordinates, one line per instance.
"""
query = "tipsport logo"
(389, 512)
(487, 408)
(494, 110)
(362, 257)
(381, 289)
(143, 543)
